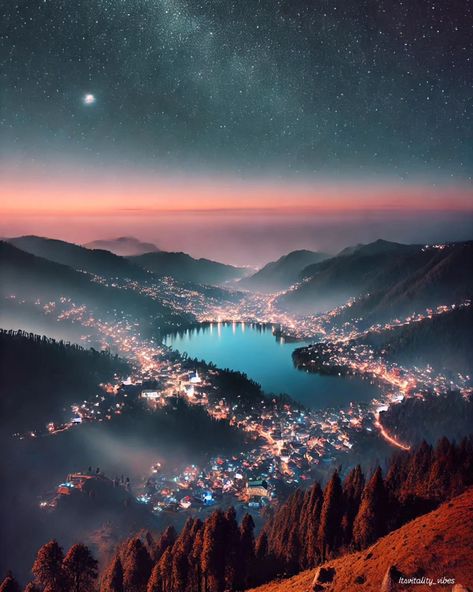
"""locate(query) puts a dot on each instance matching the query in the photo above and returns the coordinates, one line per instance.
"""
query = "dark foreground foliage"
(313, 525)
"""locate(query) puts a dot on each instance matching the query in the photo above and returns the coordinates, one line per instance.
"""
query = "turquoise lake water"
(256, 352)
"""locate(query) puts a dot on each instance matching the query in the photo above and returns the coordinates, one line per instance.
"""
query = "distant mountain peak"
(125, 246)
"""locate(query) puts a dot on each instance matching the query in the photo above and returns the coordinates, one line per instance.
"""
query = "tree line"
(314, 525)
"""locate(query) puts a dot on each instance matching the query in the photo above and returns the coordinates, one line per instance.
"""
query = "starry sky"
(116, 109)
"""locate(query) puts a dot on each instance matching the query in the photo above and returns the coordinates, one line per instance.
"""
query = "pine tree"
(31, 587)
(137, 566)
(180, 553)
(165, 570)
(352, 492)
(329, 534)
(232, 550)
(314, 508)
(155, 582)
(370, 522)
(80, 569)
(167, 539)
(47, 568)
(9, 584)
(247, 546)
(195, 559)
(112, 580)
(213, 553)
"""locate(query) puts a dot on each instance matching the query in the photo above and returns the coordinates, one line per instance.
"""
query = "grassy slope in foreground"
(437, 544)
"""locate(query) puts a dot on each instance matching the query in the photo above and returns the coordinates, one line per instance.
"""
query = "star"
(88, 99)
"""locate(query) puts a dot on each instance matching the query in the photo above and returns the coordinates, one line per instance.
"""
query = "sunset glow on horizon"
(27, 193)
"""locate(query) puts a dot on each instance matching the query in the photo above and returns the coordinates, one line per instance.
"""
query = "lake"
(255, 351)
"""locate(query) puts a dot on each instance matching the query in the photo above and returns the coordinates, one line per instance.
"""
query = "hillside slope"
(280, 274)
(435, 545)
(445, 341)
(100, 262)
(388, 279)
(42, 377)
(185, 268)
(29, 276)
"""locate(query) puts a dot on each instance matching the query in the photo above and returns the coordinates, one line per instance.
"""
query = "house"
(257, 488)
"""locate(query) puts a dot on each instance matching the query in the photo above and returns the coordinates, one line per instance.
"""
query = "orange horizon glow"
(117, 195)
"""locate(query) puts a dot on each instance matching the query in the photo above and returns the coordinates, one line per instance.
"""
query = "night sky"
(298, 91)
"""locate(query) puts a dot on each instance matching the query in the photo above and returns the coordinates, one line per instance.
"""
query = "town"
(289, 444)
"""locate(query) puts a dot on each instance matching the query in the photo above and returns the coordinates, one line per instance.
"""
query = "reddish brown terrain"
(436, 545)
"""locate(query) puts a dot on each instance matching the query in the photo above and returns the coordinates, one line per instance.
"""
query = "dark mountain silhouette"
(444, 341)
(414, 420)
(100, 262)
(387, 278)
(41, 377)
(185, 268)
(280, 274)
(31, 277)
(125, 246)
(428, 279)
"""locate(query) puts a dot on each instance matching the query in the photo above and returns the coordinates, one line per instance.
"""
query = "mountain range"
(96, 261)
(386, 279)
(30, 277)
(107, 264)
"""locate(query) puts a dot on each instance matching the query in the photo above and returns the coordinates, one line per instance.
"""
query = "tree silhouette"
(352, 491)
(9, 584)
(155, 582)
(213, 552)
(112, 580)
(247, 544)
(48, 569)
(329, 534)
(80, 569)
(370, 522)
(137, 566)
(167, 539)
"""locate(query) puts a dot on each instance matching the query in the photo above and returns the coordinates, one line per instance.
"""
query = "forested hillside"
(41, 376)
(314, 525)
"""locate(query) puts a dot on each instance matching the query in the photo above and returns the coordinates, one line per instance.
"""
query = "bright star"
(89, 99)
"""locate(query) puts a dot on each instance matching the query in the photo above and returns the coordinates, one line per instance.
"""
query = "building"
(257, 488)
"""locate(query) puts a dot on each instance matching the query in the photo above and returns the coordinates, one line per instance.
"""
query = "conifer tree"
(137, 566)
(314, 508)
(329, 533)
(165, 569)
(155, 582)
(213, 553)
(112, 580)
(352, 491)
(247, 546)
(167, 539)
(80, 569)
(48, 569)
(9, 584)
(180, 554)
(370, 522)
(195, 560)
(232, 550)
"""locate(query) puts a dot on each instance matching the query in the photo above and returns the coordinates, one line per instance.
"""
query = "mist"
(253, 239)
